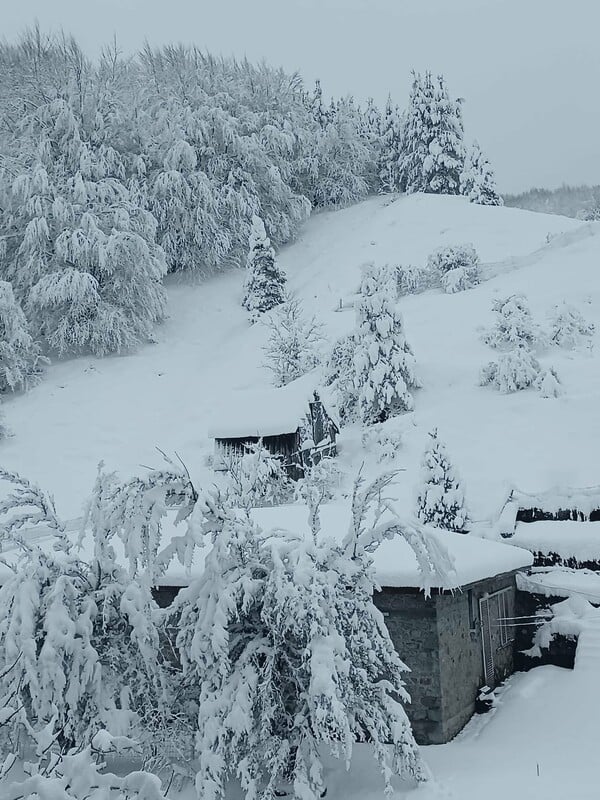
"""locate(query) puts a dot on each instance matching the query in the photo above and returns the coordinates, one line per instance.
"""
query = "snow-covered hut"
(293, 422)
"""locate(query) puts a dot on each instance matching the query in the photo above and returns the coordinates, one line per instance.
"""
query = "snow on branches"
(294, 342)
(455, 266)
(265, 282)
(477, 179)
(21, 361)
(440, 500)
(384, 362)
(288, 661)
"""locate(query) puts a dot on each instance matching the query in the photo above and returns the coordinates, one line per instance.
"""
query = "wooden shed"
(294, 423)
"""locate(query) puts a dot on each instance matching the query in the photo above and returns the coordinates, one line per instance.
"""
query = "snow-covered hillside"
(120, 408)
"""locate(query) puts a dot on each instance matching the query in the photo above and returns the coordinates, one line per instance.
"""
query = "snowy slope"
(118, 409)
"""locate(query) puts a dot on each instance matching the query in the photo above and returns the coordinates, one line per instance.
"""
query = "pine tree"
(392, 140)
(265, 282)
(340, 375)
(456, 267)
(433, 155)
(384, 362)
(294, 343)
(568, 327)
(514, 326)
(21, 361)
(440, 501)
(514, 370)
(477, 181)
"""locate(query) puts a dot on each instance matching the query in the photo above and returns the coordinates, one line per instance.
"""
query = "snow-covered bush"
(477, 179)
(384, 362)
(383, 441)
(21, 361)
(265, 282)
(256, 478)
(441, 498)
(79, 775)
(514, 370)
(514, 325)
(413, 280)
(568, 327)
(290, 663)
(319, 483)
(456, 267)
(548, 383)
(293, 347)
(339, 374)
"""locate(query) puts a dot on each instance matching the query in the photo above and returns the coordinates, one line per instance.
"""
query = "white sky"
(529, 70)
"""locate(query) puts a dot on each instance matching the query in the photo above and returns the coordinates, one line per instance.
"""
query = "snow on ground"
(120, 408)
(568, 538)
(541, 742)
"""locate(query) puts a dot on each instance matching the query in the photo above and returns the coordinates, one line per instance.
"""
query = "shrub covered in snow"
(567, 327)
(548, 383)
(265, 282)
(456, 267)
(339, 374)
(441, 499)
(514, 370)
(288, 662)
(257, 478)
(514, 325)
(320, 482)
(413, 280)
(293, 348)
(384, 362)
(383, 441)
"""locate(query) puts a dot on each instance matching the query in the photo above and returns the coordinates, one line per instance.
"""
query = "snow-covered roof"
(395, 563)
(568, 539)
(562, 582)
(264, 412)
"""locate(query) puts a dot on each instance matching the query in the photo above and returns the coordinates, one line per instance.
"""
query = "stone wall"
(440, 640)
(411, 621)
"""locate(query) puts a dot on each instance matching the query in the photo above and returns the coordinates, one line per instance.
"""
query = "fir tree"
(340, 375)
(390, 155)
(440, 501)
(21, 361)
(265, 282)
(477, 181)
(568, 327)
(456, 267)
(514, 370)
(433, 155)
(514, 326)
(294, 342)
(384, 362)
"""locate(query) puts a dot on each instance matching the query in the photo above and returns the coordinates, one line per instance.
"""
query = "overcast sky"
(529, 70)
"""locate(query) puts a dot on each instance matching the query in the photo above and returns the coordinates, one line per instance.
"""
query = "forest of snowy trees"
(115, 173)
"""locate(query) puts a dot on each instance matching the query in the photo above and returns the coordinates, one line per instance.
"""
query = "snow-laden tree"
(294, 343)
(80, 254)
(289, 663)
(477, 180)
(265, 281)
(256, 478)
(514, 326)
(383, 360)
(21, 360)
(549, 384)
(83, 631)
(391, 147)
(433, 150)
(568, 327)
(340, 374)
(456, 267)
(441, 497)
(514, 370)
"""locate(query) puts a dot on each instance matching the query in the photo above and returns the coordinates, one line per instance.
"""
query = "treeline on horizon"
(581, 202)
